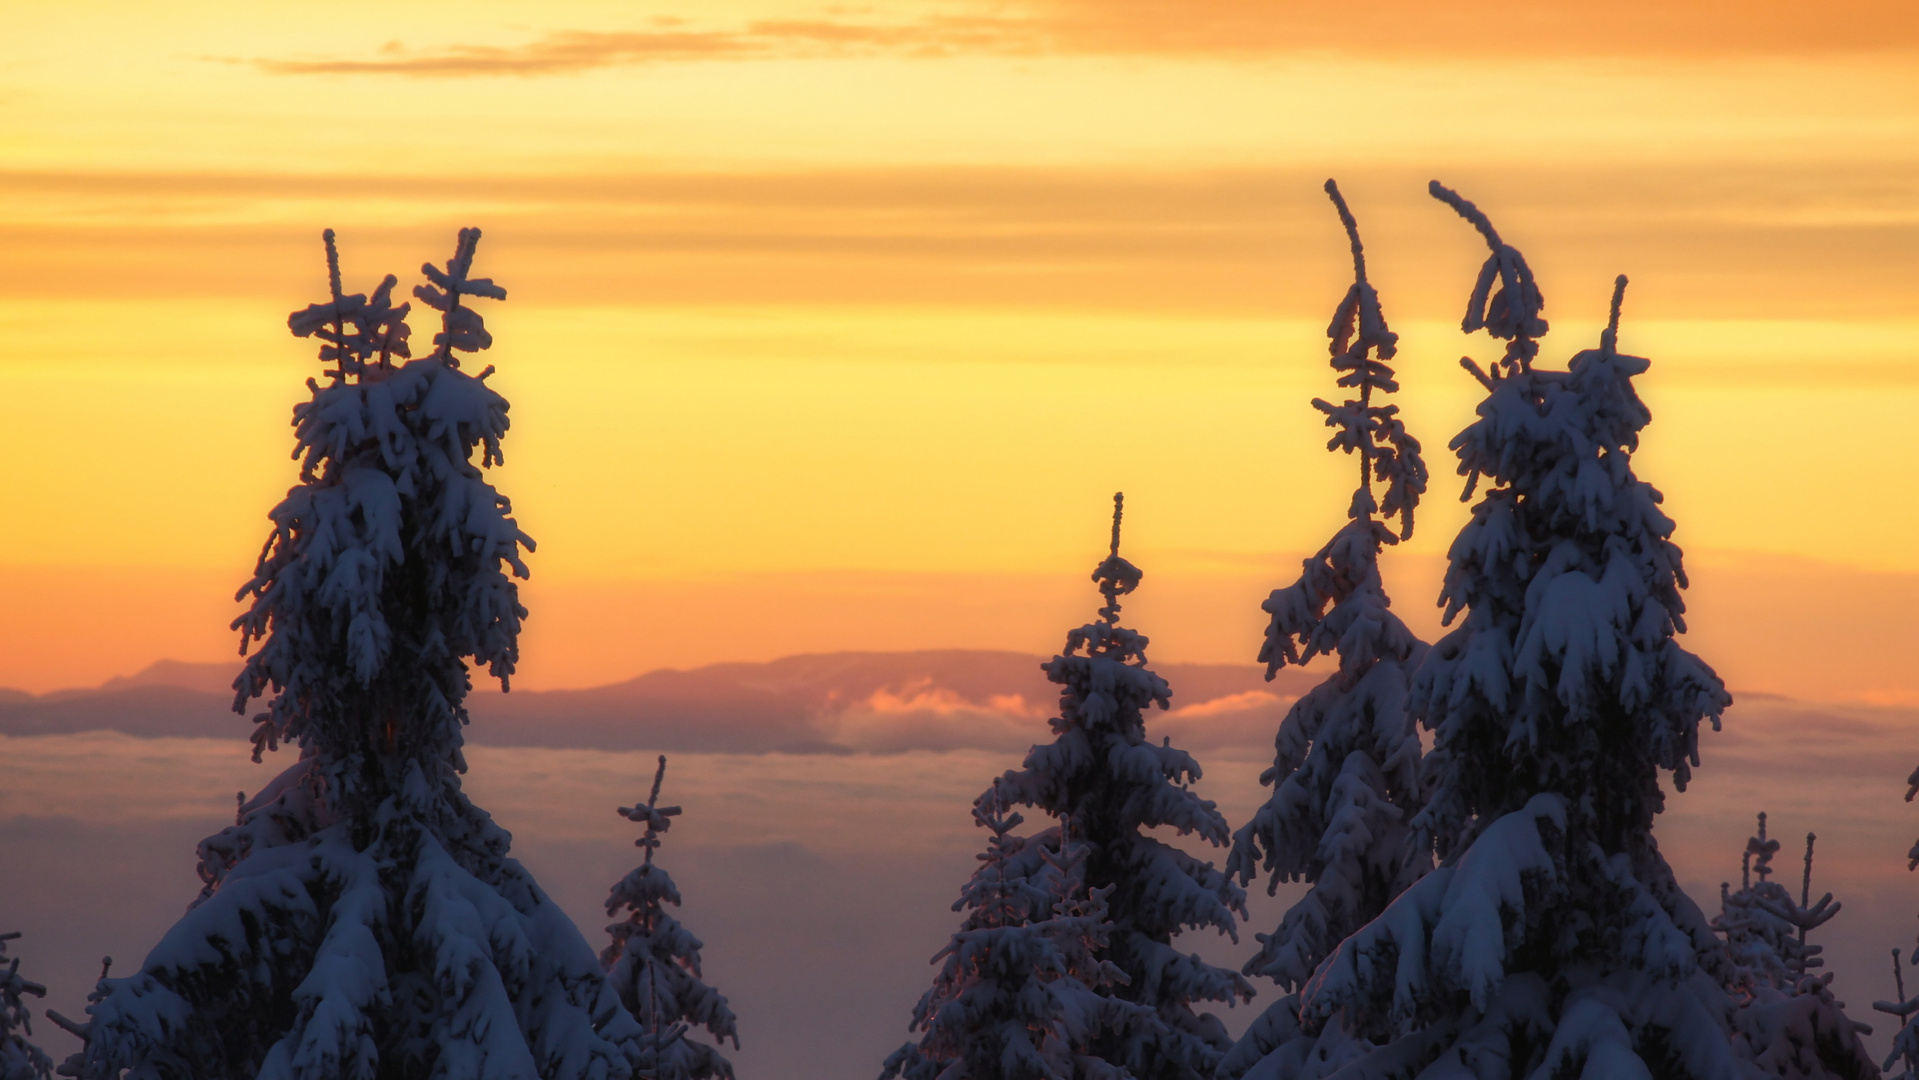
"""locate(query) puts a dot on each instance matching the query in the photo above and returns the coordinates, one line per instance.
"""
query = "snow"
(1345, 774)
(1105, 782)
(1025, 990)
(361, 917)
(1552, 939)
(654, 962)
(20, 1059)
(1905, 1042)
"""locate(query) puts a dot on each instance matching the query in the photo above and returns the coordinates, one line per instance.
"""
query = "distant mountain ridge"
(845, 702)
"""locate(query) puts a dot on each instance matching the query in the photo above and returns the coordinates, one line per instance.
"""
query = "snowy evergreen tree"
(1019, 995)
(654, 963)
(1765, 930)
(19, 1058)
(1345, 777)
(1785, 1013)
(1552, 940)
(1106, 782)
(361, 919)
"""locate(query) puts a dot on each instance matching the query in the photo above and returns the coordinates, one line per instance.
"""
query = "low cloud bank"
(822, 882)
(826, 703)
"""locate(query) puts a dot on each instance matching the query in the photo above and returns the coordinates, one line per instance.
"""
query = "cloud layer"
(1807, 240)
(821, 882)
(833, 703)
(1208, 29)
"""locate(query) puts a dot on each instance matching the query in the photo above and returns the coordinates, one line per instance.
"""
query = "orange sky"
(836, 326)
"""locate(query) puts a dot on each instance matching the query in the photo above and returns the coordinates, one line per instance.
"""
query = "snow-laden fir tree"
(1788, 1023)
(1552, 940)
(1764, 928)
(362, 919)
(1905, 1042)
(19, 1058)
(654, 963)
(1345, 777)
(1019, 995)
(1107, 782)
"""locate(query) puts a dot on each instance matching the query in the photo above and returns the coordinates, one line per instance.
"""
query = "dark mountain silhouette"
(848, 702)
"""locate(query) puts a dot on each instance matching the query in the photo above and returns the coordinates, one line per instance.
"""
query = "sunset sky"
(836, 326)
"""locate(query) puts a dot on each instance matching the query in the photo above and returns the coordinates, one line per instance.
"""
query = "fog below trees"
(821, 881)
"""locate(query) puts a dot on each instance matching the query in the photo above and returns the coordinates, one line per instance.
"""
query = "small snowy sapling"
(1019, 994)
(1787, 1022)
(1345, 777)
(361, 919)
(1905, 1041)
(1765, 930)
(654, 963)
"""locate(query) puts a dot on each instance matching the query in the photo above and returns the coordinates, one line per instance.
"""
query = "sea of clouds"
(821, 875)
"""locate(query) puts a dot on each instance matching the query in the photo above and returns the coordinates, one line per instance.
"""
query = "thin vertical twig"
(333, 287)
(1805, 899)
(1609, 341)
(1359, 325)
(1352, 230)
(652, 801)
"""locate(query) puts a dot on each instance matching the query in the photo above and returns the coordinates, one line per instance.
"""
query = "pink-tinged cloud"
(840, 703)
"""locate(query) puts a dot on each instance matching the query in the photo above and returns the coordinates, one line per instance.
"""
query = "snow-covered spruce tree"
(19, 1058)
(654, 963)
(361, 919)
(1019, 994)
(1552, 939)
(1787, 1018)
(1106, 782)
(1765, 930)
(1345, 777)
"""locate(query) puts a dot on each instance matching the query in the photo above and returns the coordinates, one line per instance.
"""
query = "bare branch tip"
(658, 775)
(1611, 339)
(1352, 229)
(1467, 210)
(1474, 370)
(332, 264)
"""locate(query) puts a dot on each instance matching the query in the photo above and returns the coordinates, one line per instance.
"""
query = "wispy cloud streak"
(567, 51)
(1828, 240)
(1186, 28)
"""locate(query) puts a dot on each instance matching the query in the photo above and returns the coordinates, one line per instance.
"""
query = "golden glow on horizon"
(798, 294)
